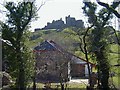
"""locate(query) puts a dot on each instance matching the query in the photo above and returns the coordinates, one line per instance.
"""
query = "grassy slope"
(76, 86)
(66, 38)
(63, 38)
(113, 58)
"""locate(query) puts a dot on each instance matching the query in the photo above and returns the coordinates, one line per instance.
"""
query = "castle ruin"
(60, 24)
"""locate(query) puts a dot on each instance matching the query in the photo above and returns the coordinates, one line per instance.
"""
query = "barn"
(55, 64)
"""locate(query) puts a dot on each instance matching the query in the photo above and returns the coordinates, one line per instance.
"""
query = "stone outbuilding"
(55, 64)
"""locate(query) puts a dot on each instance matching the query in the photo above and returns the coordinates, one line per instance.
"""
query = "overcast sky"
(56, 9)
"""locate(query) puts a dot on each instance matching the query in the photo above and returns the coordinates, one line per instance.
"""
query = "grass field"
(76, 86)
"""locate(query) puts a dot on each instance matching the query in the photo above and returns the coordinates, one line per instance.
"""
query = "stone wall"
(50, 65)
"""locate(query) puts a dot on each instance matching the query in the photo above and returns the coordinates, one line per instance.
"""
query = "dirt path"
(82, 81)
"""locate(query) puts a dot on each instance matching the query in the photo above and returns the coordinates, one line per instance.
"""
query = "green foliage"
(69, 31)
(90, 12)
(29, 63)
(98, 40)
(17, 56)
(28, 57)
(20, 14)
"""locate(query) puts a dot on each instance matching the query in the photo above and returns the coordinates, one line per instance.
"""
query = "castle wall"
(69, 22)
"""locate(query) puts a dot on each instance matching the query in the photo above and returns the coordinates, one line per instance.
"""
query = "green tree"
(97, 40)
(19, 17)
(111, 8)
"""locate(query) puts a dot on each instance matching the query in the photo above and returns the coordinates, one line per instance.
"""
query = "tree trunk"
(86, 54)
(21, 72)
(98, 71)
(62, 86)
(34, 80)
(21, 76)
(103, 70)
(34, 83)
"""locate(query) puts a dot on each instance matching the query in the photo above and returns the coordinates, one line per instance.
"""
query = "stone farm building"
(55, 64)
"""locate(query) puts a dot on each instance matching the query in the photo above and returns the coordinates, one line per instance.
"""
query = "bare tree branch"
(81, 45)
(43, 3)
(118, 41)
(86, 51)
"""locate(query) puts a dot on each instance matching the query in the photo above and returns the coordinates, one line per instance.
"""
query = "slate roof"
(48, 46)
(45, 46)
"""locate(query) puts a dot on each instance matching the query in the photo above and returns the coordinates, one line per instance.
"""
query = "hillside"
(65, 38)
(68, 40)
